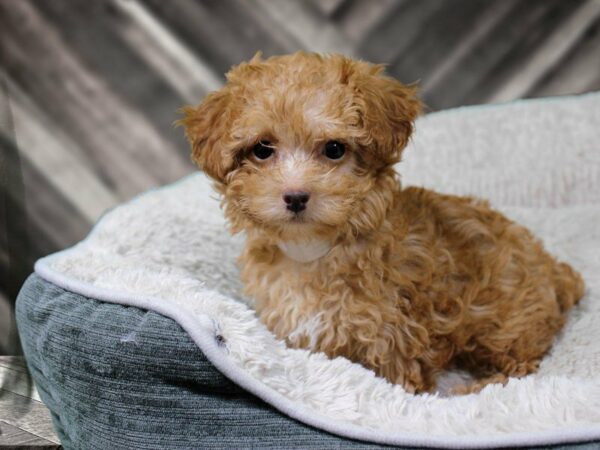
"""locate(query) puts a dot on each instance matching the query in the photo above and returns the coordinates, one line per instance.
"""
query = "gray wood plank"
(548, 54)
(14, 437)
(312, 31)
(222, 32)
(7, 322)
(14, 238)
(486, 23)
(26, 414)
(14, 363)
(535, 29)
(300, 22)
(119, 138)
(357, 18)
(46, 220)
(267, 36)
(179, 66)
(54, 223)
(477, 73)
(41, 217)
(285, 42)
(65, 165)
(400, 28)
(18, 382)
(448, 26)
(328, 8)
(95, 33)
(578, 72)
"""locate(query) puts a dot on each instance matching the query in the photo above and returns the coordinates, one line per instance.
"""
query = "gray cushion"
(117, 377)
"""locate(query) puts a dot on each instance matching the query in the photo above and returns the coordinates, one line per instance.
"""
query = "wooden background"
(89, 89)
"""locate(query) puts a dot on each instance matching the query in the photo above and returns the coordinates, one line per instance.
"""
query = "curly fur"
(414, 281)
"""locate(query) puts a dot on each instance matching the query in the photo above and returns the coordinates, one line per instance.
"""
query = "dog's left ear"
(206, 129)
(389, 109)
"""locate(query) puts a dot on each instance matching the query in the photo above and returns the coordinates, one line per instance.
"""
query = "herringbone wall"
(89, 89)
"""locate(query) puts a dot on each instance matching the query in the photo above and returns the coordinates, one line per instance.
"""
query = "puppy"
(340, 258)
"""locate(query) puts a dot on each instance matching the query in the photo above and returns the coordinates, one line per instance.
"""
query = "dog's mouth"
(298, 217)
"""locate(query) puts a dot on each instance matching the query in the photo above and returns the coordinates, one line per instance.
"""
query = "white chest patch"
(305, 252)
(310, 328)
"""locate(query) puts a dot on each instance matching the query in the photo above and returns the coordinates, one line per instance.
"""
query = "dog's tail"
(569, 286)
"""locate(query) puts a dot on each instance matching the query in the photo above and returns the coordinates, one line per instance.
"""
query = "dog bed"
(138, 337)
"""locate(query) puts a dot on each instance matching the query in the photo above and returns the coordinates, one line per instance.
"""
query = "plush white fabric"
(538, 161)
(527, 153)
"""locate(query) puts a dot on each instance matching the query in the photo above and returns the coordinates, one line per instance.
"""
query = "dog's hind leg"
(514, 344)
(568, 284)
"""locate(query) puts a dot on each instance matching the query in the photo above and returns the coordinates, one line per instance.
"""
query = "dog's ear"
(388, 111)
(206, 129)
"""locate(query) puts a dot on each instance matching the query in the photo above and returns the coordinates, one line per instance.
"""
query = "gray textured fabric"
(123, 378)
(117, 377)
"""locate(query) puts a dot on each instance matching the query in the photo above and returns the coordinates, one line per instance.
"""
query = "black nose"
(296, 200)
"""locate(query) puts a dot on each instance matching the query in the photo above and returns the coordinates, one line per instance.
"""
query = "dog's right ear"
(206, 130)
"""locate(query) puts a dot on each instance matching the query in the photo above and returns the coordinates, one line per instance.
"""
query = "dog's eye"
(263, 150)
(334, 150)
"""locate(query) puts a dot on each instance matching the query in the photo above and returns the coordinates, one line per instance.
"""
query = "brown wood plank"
(16, 438)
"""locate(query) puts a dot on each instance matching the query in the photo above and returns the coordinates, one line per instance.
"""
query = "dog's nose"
(296, 200)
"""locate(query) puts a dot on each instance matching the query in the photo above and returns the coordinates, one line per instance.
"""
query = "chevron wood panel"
(91, 89)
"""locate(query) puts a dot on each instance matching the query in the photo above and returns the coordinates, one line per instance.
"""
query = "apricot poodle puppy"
(340, 258)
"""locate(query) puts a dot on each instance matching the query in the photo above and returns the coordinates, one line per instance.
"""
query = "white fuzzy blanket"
(538, 161)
